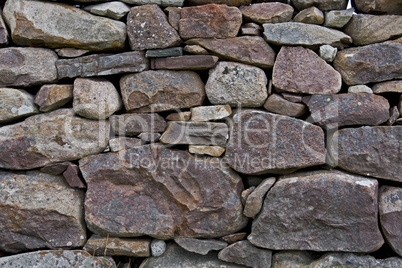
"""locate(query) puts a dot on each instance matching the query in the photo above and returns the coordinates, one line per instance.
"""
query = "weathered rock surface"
(208, 150)
(226, 2)
(134, 124)
(56, 168)
(203, 133)
(149, 137)
(321, 4)
(251, 50)
(209, 21)
(148, 28)
(279, 105)
(174, 15)
(371, 63)
(389, 86)
(187, 62)
(122, 143)
(73, 176)
(344, 219)
(49, 138)
(29, 24)
(102, 64)
(39, 210)
(162, 192)
(157, 91)
(390, 208)
(267, 12)
(338, 18)
(115, 10)
(300, 70)
(368, 29)
(261, 142)
(311, 15)
(56, 258)
(51, 97)
(244, 253)
(181, 116)
(200, 246)
(114, 246)
(15, 104)
(23, 66)
(233, 238)
(69, 52)
(370, 151)
(348, 109)
(236, 84)
(158, 247)
(164, 52)
(256, 198)
(195, 49)
(360, 89)
(309, 35)
(328, 52)
(157, 2)
(4, 38)
(379, 6)
(393, 115)
(207, 113)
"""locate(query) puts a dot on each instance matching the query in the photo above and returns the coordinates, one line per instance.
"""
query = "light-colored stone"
(200, 246)
(195, 49)
(115, 10)
(359, 89)
(69, 52)
(323, 5)
(225, 2)
(389, 86)
(391, 7)
(134, 124)
(165, 3)
(328, 53)
(267, 12)
(208, 113)
(4, 37)
(149, 137)
(114, 246)
(180, 116)
(256, 198)
(207, 150)
(279, 105)
(338, 18)
(311, 15)
(245, 194)
(158, 247)
(15, 104)
(51, 97)
(123, 143)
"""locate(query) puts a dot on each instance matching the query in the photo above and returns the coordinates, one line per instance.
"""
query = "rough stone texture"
(245, 194)
(370, 151)
(251, 50)
(300, 70)
(200, 246)
(69, 52)
(208, 150)
(115, 10)
(29, 24)
(209, 21)
(244, 253)
(389, 86)
(309, 35)
(393, 115)
(311, 15)
(50, 138)
(233, 238)
(158, 247)
(226, 2)
(309, 202)
(279, 105)
(371, 63)
(338, 18)
(157, 2)
(379, 6)
(163, 193)
(148, 28)
(368, 29)
(292, 97)
(323, 5)
(250, 31)
(4, 38)
(95, 98)
(187, 62)
(165, 52)
(174, 15)
(181, 116)
(73, 176)
(359, 89)
(267, 12)
(261, 142)
(208, 113)
(134, 124)
(56, 258)
(256, 198)
(115, 246)
(39, 210)
(328, 53)
(56, 168)
(149, 137)
(203, 133)
(102, 64)
(23, 66)
(15, 104)
(195, 49)
(175, 256)
(122, 143)
(390, 208)
(51, 97)
(348, 109)
(157, 91)
(236, 84)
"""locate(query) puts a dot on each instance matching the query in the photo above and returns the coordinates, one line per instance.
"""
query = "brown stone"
(174, 15)
(114, 246)
(157, 91)
(51, 97)
(73, 176)
(372, 63)
(233, 238)
(187, 62)
(209, 21)
(279, 105)
(182, 116)
(391, 7)
(389, 86)
(123, 143)
(292, 97)
(332, 208)
(148, 28)
(261, 142)
(208, 113)
(311, 15)
(370, 151)
(267, 12)
(256, 198)
(4, 38)
(56, 168)
(15, 104)
(300, 70)
(348, 109)
(225, 2)
(69, 52)
(245, 194)
(251, 50)
(39, 210)
(393, 115)
(323, 5)
(134, 124)
(208, 150)
(161, 192)
(200, 246)
(250, 31)
(195, 49)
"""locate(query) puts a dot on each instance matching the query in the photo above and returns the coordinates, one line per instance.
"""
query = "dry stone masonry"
(201, 133)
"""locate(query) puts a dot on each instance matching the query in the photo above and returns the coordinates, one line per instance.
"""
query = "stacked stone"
(200, 133)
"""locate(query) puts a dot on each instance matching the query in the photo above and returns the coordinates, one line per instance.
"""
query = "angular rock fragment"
(323, 5)
(73, 176)
(279, 105)
(69, 52)
(267, 12)
(15, 104)
(165, 3)
(174, 15)
(393, 115)
(114, 246)
(4, 38)
(208, 113)
(29, 24)
(338, 19)
(233, 238)
(134, 124)
(51, 97)
(115, 10)
(56, 168)
(195, 49)
(328, 53)
(161, 192)
(123, 143)
(311, 15)
(39, 210)
(157, 91)
(245, 194)
(359, 89)
(261, 142)
(163, 53)
(391, 7)
(50, 138)
(187, 62)
(256, 198)
(389, 86)
(181, 116)
(200, 246)
(208, 150)
(149, 137)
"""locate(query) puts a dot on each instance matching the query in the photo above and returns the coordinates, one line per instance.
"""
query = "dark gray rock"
(321, 4)
(134, 124)
(379, 6)
(163, 53)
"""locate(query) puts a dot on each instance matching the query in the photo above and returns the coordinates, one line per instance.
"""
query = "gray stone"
(393, 115)
(114, 246)
(56, 168)
(389, 86)
(267, 12)
(158, 247)
(338, 19)
(163, 53)
(327, 217)
(202, 133)
(181, 116)
(102, 64)
(85, 31)
(292, 97)
(250, 31)
(279, 105)
(200, 246)
(15, 104)
(51, 97)
(39, 210)
(208, 113)
(311, 15)
(226, 2)
(256, 198)
(165, 3)
(123, 143)
(359, 89)
(149, 137)
(4, 38)
(207, 150)
(195, 49)
(233, 238)
(187, 62)
(391, 7)
(323, 5)
(309, 35)
(236, 84)
(115, 10)
(69, 52)
(134, 124)
(174, 15)
(328, 53)
(23, 66)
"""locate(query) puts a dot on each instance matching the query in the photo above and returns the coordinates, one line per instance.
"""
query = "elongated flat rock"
(15, 104)
(267, 12)
(200, 246)
(391, 7)
(262, 142)
(207, 113)
(49, 138)
(134, 124)
(164, 3)
(161, 192)
(31, 26)
(114, 246)
(186, 62)
(389, 86)
(328, 217)
(39, 210)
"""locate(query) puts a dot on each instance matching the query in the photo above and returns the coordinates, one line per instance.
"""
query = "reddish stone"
(279, 105)
(188, 62)
(73, 176)
(56, 168)
(51, 97)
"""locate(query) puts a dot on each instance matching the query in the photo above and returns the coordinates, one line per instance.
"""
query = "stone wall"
(200, 133)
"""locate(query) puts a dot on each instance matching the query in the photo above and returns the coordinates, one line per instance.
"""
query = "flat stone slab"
(165, 52)
(207, 113)
(115, 9)
(16, 104)
(115, 246)
(279, 105)
(187, 62)
(200, 246)
(267, 12)
(389, 86)
(207, 150)
(134, 124)
(164, 3)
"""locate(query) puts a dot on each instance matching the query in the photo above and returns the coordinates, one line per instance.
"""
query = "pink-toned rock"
(73, 176)
(123, 143)
(56, 168)
(391, 7)
(51, 97)
(279, 105)
(267, 12)
(389, 86)
(187, 62)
